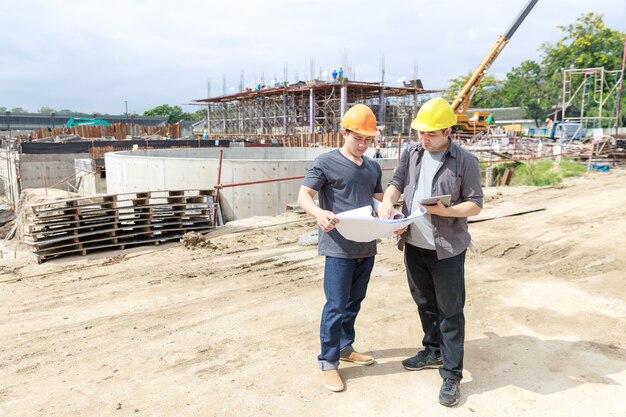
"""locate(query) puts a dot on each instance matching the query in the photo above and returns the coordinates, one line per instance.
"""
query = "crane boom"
(464, 98)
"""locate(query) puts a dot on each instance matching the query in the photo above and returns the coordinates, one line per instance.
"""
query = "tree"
(18, 110)
(588, 43)
(46, 110)
(174, 114)
(525, 87)
(198, 115)
(486, 95)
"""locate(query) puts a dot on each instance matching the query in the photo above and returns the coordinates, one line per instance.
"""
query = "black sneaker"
(422, 360)
(450, 392)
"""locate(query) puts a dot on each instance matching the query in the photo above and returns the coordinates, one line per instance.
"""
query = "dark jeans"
(345, 285)
(438, 288)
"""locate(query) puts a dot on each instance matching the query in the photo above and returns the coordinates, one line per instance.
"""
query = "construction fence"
(117, 130)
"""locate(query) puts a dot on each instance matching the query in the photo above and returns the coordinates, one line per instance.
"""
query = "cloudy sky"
(95, 55)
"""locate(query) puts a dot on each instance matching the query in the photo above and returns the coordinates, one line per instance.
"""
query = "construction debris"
(193, 240)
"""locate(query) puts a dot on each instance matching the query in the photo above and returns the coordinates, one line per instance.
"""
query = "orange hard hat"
(360, 119)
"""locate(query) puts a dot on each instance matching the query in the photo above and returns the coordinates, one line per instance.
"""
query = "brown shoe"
(358, 358)
(332, 380)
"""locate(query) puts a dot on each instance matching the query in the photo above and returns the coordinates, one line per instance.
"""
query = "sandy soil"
(231, 328)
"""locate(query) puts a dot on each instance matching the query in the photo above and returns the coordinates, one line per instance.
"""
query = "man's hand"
(400, 231)
(437, 209)
(388, 211)
(326, 220)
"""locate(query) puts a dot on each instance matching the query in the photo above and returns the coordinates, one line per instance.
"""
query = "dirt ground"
(231, 328)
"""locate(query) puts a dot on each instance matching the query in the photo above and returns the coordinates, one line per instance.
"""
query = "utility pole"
(620, 91)
(381, 96)
(208, 107)
(414, 82)
(8, 115)
(285, 74)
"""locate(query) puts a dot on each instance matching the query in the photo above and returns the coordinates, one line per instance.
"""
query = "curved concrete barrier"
(175, 169)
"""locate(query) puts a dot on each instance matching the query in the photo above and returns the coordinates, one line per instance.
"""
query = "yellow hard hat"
(360, 119)
(435, 114)
(378, 147)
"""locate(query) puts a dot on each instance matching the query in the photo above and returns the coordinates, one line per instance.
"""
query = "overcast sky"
(93, 55)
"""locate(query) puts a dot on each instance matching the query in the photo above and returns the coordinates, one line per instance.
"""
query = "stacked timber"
(116, 221)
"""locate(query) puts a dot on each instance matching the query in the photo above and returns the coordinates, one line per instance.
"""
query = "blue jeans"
(438, 289)
(345, 285)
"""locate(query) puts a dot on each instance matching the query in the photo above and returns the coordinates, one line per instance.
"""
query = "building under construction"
(311, 107)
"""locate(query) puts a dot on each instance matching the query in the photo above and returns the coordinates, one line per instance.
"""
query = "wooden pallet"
(116, 221)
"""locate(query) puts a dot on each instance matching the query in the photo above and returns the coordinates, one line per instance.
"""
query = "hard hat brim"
(423, 127)
(365, 132)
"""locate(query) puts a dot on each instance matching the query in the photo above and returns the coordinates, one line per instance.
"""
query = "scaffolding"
(311, 107)
(593, 93)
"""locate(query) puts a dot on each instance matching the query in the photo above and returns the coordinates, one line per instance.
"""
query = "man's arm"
(464, 209)
(326, 220)
(390, 198)
(471, 194)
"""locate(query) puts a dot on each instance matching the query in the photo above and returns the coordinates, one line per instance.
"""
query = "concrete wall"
(22, 171)
(48, 170)
(4, 172)
(9, 183)
(177, 169)
(88, 178)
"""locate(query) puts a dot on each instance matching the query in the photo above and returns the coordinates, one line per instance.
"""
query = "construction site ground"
(230, 327)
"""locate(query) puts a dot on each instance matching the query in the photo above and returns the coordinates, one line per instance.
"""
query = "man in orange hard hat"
(435, 244)
(345, 179)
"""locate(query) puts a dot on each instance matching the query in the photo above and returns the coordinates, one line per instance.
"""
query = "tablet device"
(431, 201)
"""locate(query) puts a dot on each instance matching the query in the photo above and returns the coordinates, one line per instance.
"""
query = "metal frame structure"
(591, 89)
(312, 107)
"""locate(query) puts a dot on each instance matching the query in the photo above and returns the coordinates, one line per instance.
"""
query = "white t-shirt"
(421, 231)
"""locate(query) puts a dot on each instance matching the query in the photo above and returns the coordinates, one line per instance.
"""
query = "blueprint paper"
(360, 226)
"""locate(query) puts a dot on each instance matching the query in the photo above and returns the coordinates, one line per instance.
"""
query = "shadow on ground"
(499, 361)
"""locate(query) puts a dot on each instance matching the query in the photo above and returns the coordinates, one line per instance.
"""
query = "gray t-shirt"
(343, 185)
(421, 231)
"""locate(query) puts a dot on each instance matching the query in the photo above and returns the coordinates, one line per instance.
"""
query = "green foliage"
(541, 173)
(174, 114)
(525, 87)
(46, 110)
(18, 110)
(536, 87)
(500, 168)
(588, 43)
(487, 93)
(198, 115)
(571, 168)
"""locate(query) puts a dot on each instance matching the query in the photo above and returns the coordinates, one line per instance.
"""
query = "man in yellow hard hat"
(377, 154)
(435, 245)
(345, 179)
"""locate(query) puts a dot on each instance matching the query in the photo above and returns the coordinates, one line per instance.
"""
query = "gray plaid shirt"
(458, 175)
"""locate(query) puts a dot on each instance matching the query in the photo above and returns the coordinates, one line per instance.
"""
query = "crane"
(477, 122)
